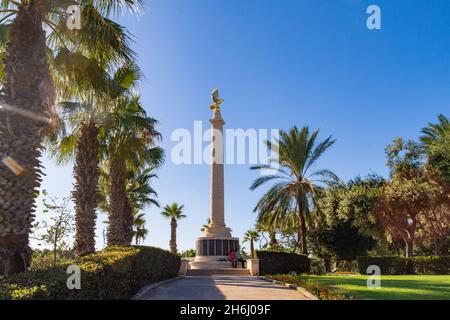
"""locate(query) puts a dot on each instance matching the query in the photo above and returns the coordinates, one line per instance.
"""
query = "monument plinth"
(213, 248)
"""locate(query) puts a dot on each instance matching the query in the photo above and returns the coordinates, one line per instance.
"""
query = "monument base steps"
(235, 272)
(210, 265)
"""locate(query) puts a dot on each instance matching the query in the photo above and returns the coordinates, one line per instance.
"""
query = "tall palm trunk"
(28, 89)
(120, 230)
(303, 244)
(252, 249)
(85, 193)
(173, 235)
(301, 227)
(273, 242)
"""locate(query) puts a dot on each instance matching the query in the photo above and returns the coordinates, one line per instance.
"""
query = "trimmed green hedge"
(432, 265)
(387, 264)
(271, 262)
(114, 273)
(402, 265)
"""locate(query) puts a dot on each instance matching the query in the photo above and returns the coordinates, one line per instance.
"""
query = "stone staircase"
(236, 272)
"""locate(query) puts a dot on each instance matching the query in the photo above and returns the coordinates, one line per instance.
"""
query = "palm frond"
(318, 151)
(263, 179)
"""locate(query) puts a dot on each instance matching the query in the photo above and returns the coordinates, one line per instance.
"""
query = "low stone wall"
(184, 267)
(253, 266)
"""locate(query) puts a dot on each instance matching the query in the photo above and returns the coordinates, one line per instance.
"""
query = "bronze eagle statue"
(216, 100)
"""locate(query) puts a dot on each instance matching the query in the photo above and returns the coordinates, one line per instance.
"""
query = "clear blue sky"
(279, 64)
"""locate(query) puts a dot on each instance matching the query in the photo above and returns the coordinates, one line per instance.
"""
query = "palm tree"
(140, 192)
(138, 189)
(27, 99)
(252, 236)
(436, 138)
(88, 121)
(297, 152)
(174, 212)
(208, 222)
(129, 145)
(436, 132)
(140, 231)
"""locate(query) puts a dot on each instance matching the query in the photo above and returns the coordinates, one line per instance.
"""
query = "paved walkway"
(222, 288)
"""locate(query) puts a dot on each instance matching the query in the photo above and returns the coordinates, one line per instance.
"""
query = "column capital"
(217, 119)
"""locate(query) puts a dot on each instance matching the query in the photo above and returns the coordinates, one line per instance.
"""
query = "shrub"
(401, 265)
(432, 265)
(43, 259)
(319, 290)
(271, 262)
(114, 273)
(189, 253)
(388, 265)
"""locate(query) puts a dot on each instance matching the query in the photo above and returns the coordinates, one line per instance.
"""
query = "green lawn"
(392, 287)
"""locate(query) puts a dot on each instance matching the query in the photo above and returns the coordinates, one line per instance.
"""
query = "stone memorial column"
(212, 249)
